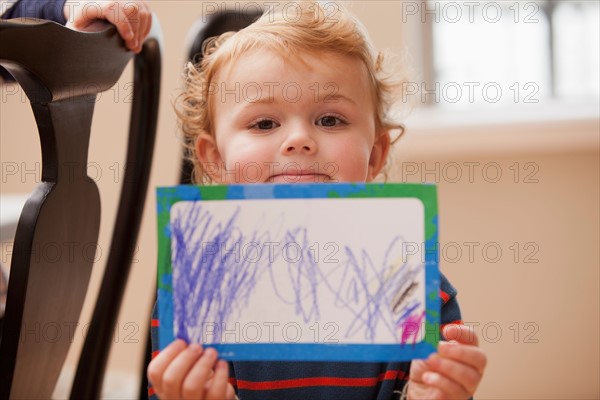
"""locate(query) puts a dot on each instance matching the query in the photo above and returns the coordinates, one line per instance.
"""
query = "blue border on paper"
(426, 193)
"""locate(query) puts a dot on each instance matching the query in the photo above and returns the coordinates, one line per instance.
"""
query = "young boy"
(302, 97)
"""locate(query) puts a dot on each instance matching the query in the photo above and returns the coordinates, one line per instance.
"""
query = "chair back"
(62, 71)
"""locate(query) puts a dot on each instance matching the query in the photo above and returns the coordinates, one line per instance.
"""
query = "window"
(501, 53)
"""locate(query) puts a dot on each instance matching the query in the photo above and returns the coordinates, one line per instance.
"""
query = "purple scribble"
(212, 281)
(303, 276)
(369, 293)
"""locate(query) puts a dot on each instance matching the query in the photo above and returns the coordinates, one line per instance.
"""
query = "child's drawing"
(300, 272)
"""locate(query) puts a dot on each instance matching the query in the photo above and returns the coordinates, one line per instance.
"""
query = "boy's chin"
(304, 178)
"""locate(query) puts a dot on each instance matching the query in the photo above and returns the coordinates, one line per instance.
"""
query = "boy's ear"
(379, 154)
(209, 156)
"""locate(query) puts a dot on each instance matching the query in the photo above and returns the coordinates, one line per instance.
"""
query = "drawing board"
(301, 271)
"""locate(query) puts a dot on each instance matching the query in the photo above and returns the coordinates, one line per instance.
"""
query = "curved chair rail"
(142, 132)
(61, 71)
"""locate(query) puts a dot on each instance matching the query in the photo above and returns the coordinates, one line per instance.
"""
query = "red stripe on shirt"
(154, 323)
(150, 391)
(445, 296)
(155, 353)
(316, 381)
(387, 376)
(402, 375)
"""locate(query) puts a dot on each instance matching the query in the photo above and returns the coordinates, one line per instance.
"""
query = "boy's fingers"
(177, 371)
(134, 12)
(133, 19)
(158, 365)
(461, 374)
(199, 375)
(148, 23)
(145, 22)
(218, 386)
(449, 388)
(469, 355)
(115, 14)
(460, 333)
(230, 392)
(417, 368)
(140, 19)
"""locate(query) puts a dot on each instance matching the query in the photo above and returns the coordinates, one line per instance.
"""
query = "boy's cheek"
(212, 169)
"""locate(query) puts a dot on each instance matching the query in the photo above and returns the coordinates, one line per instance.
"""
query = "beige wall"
(555, 299)
(536, 310)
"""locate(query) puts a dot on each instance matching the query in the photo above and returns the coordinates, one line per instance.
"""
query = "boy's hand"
(186, 372)
(454, 372)
(132, 18)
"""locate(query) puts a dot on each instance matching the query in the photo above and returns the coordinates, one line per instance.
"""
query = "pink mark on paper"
(410, 328)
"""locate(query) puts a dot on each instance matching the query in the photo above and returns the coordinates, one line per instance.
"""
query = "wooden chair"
(61, 71)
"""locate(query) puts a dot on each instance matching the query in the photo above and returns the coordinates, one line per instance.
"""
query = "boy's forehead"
(265, 65)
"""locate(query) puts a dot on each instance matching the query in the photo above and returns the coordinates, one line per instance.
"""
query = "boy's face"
(292, 120)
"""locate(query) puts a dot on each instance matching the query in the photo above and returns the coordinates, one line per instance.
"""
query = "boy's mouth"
(300, 177)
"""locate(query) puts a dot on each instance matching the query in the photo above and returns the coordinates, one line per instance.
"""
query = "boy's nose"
(299, 141)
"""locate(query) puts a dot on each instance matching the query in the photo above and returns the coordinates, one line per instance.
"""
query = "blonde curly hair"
(312, 29)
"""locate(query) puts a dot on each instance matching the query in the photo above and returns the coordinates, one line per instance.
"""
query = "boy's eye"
(264, 124)
(329, 121)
